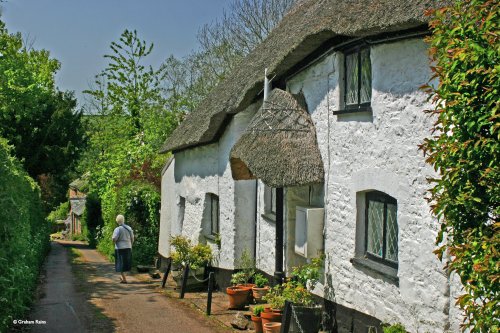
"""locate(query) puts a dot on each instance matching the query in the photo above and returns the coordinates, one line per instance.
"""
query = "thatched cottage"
(328, 163)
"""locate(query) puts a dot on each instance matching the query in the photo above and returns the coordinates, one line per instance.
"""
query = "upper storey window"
(358, 79)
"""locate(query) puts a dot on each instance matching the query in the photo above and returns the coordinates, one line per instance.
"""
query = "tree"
(222, 45)
(38, 120)
(465, 150)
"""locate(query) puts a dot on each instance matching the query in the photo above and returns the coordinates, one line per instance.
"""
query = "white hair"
(120, 219)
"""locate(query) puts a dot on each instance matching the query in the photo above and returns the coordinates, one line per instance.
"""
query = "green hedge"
(92, 219)
(24, 237)
(139, 202)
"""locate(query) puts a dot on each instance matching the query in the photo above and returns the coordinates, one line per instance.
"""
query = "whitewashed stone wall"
(379, 152)
(205, 169)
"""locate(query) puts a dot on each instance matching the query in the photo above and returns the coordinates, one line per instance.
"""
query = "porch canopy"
(279, 146)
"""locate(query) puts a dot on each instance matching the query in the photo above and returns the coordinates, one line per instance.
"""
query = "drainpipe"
(278, 268)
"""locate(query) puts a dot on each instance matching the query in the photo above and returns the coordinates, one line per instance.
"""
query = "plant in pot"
(238, 293)
(306, 315)
(261, 287)
(256, 319)
(246, 269)
(276, 302)
(196, 256)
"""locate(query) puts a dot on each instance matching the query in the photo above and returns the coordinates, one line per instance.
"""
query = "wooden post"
(210, 288)
(165, 275)
(184, 281)
(285, 320)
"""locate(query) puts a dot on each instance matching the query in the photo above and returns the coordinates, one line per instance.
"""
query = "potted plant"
(240, 294)
(256, 319)
(196, 256)
(277, 302)
(261, 287)
(298, 291)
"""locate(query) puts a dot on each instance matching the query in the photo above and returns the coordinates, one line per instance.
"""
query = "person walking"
(123, 237)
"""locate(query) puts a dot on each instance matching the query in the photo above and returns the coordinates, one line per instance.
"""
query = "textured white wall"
(167, 207)
(380, 152)
(205, 169)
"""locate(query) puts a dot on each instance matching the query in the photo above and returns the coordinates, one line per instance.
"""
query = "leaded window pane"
(392, 233)
(375, 228)
(366, 77)
(351, 79)
(273, 200)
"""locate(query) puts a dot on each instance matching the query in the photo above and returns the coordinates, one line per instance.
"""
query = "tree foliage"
(38, 120)
(465, 150)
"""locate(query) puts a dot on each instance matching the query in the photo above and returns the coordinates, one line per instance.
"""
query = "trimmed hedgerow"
(24, 237)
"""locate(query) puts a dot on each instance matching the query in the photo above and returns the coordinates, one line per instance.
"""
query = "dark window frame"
(360, 107)
(385, 199)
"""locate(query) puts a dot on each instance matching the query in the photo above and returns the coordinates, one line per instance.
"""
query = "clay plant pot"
(272, 327)
(258, 293)
(257, 323)
(270, 317)
(238, 297)
(247, 286)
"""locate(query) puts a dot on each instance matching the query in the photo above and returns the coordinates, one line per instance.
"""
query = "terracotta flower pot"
(257, 323)
(247, 286)
(238, 297)
(271, 316)
(272, 327)
(258, 293)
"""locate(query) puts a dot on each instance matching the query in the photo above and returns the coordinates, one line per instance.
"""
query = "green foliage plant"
(395, 328)
(60, 213)
(92, 218)
(24, 237)
(260, 280)
(464, 149)
(275, 297)
(196, 256)
(258, 310)
(246, 265)
(239, 278)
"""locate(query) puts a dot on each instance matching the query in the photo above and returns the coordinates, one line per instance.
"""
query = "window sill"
(390, 273)
(210, 237)
(353, 110)
(269, 217)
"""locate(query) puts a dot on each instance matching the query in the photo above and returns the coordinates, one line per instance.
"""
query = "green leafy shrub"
(260, 280)
(140, 203)
(60, 213)
(92, 220)
(186, 254)
(465, 150)
(396, 328)
(258, 310)
(24, 238)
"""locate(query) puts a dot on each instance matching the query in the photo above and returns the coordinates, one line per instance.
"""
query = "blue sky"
(78, 32)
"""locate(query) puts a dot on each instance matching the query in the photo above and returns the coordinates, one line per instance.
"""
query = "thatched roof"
(307, 27)
(279, 146)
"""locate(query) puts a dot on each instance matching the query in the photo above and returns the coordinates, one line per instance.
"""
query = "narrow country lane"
(90, 299)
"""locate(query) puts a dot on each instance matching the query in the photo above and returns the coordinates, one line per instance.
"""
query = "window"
(358, 79)
(180, 214)
(269, 200)
(214, 214)
(381, 229)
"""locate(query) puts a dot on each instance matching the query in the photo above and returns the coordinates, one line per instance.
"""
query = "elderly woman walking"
(123, 237)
